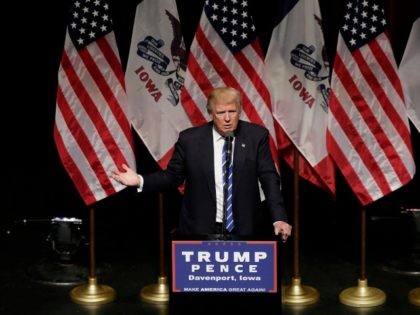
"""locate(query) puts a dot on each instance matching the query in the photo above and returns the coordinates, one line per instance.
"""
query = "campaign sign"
(224, 266)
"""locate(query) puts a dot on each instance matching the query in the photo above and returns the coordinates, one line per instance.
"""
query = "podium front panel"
(211, 273)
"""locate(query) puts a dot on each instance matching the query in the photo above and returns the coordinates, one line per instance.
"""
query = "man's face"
(225, 116)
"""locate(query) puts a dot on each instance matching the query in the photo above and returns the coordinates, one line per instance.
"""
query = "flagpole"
(92, 293)
(362, 295)
(158, 292)
(296, 293)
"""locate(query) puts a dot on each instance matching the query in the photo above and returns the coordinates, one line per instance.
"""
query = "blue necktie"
(227, 182)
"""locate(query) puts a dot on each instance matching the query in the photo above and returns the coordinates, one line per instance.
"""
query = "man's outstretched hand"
(128, 177)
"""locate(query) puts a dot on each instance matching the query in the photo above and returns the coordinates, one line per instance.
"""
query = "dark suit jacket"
(192, 161)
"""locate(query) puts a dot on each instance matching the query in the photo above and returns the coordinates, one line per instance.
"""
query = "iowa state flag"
(155, 75)
(409, 71)
(297, 72)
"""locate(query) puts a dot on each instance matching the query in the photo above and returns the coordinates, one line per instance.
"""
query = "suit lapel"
(208, 158)
(239, 155)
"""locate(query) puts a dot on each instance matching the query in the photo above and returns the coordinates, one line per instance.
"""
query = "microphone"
(229, 138)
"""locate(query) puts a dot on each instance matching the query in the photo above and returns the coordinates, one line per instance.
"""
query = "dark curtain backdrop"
(37, 186)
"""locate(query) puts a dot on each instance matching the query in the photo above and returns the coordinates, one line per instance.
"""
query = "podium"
(214, 273)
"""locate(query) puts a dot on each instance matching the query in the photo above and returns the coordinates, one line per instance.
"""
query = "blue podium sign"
(224, 266)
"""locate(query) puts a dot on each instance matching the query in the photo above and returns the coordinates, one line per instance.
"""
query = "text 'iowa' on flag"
(297, 71)
(155, 76)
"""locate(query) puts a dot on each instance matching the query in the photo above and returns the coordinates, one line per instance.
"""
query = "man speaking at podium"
(222, 163)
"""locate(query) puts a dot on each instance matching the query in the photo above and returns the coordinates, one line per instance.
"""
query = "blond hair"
(226, 94)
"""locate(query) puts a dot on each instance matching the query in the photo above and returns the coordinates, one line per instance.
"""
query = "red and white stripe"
(92, 131)
(368, 131)
(211, 64)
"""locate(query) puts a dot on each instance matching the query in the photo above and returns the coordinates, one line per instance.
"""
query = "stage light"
(65, 237)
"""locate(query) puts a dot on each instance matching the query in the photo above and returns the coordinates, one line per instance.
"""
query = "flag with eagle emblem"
(155, 75)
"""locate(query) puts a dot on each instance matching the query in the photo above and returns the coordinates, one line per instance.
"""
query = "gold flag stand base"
(156, 293)
(414, 296)
(297, 294)
(362, 295)
(92, 293)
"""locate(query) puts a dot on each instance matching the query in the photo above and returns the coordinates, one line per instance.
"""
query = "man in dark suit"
(197, 162)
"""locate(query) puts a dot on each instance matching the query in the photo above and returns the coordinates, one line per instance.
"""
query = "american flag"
(92, 131)
(368, 131)
(226, 51)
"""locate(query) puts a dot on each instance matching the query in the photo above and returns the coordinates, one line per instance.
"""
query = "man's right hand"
(129, 177)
